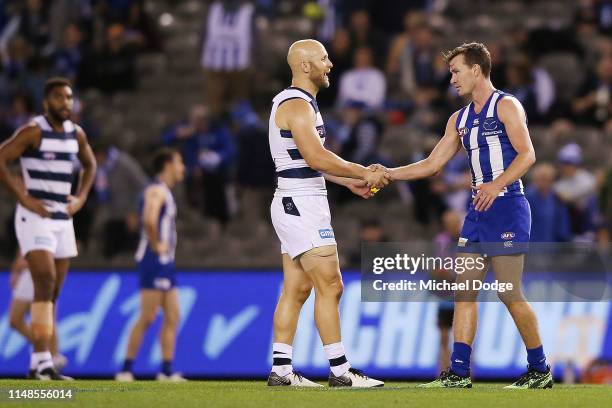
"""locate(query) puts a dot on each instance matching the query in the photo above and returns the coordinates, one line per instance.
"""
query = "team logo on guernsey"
(463, 131)
(490, 124)
(49, 156)
(507, 235)
(326, 233)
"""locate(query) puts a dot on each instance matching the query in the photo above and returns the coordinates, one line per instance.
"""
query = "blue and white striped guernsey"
(47, 170)
(166, 227)
(484, 138)
(295, 177)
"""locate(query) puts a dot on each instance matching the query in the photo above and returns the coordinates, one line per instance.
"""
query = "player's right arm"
(24, 138)
(154, 199)
(441, 154)
(297, 115)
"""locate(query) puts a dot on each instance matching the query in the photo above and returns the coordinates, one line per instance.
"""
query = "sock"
(281, 356)
(127, 365)
(41, 360)
(338, 363)
(460, 359)
(166, 367)
(537, 359)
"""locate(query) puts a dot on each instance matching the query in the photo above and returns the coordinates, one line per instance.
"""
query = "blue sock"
(460, 359)
(537, 359)
(127, 365)
(166, 367)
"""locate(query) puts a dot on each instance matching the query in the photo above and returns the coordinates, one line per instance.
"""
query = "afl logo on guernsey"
(463, 131)
(507, 235)
(490, 124)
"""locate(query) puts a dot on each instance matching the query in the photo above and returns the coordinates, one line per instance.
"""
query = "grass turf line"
(256, 394)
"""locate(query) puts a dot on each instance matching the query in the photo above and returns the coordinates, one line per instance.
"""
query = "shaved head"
(308, 60)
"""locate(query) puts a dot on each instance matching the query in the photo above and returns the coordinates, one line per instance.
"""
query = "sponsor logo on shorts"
(162, 283)
(507, 235)
(508, 244)
(462, 242)
(43, 241)
(326, 233)
(463, 131)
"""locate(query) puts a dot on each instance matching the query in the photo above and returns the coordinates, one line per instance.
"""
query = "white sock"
(41, 360)
(281, 353)
(338, 363)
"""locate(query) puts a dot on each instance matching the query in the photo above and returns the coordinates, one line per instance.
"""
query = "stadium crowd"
(388, 102)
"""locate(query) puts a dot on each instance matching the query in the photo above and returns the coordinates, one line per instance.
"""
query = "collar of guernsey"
(47, 170)
(484, 137)
(294, 176)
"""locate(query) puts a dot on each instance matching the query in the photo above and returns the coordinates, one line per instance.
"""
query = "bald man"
(301, 217)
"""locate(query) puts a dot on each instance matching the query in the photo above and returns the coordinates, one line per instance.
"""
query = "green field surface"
(110, 394)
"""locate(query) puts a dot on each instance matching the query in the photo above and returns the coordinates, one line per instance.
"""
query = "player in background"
(493, 130)
(301, 217)
(22, 298)
(47, 147)
(155, 256)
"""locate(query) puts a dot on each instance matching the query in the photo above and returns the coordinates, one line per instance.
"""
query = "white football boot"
(293, 379)
(354, 378)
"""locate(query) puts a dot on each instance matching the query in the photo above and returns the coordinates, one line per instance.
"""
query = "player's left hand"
(75, 203)
(487, 193)
(360, 188)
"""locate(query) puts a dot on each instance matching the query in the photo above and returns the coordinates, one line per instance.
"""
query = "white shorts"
(302, 223)
(37, 233)
(24, 288)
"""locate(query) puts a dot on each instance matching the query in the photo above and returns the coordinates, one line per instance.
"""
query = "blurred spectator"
(363, 83)
(550, 217)
(605, 207)
(594, 103)
(520, 84)
(68, 57)
(256, 174)
(360, 135)
(112, 69)
(20, 112)
(340, 55)
(208, 153)
(140, 29)
(34, 25)
(363, 34)
(499, 64)
(118, 186)
(370, 232)
(226, 54)
(576, 188)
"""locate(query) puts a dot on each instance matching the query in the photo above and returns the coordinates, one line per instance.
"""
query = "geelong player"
(493, 130)
(23, 296)
(47, 148)
(301, 217)
(155, 256)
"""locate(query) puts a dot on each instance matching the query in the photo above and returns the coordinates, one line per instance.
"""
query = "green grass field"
(110, 394)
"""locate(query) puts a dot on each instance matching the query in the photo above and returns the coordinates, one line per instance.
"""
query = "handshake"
(377, 177)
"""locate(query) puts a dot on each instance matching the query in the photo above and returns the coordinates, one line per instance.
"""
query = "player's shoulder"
(509, 106)
(296, 109)
(155, 191)
(452, 120)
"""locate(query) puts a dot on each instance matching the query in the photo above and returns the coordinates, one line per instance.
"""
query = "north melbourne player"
(492, 128)
(301, 217)
(47, 148)
(155, 256)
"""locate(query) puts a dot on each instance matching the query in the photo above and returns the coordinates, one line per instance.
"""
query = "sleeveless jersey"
(295, 177)
(486, 141)
(166, 228)
(47, 170)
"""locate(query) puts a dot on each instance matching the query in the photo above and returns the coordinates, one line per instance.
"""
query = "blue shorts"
(501, 230)
(154, 274)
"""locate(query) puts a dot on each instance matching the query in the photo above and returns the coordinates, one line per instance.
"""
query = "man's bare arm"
(441, 154)
(24, 138)
(154, 199)
(297, 116)
(88, 162)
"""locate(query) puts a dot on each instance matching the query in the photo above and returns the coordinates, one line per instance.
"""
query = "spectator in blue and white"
(226, 53)
(363, 83)
(549, 215)
(68, 57)
(519, 82)
(576, 187)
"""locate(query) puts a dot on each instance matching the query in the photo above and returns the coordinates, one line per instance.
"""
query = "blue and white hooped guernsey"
(295, 177)
(489, 150)
(166, 229)
(47, 170)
